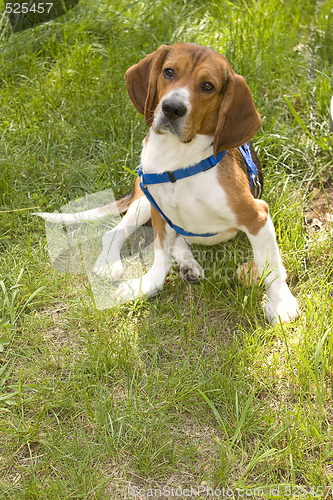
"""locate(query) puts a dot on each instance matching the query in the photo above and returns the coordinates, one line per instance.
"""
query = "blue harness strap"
(178, 229)
(251, 166)
(182, 173)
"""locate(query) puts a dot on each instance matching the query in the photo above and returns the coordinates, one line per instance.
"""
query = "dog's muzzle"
(173, 109)
(171, 116)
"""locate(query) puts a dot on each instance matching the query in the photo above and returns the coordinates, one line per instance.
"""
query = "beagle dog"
(199, 177)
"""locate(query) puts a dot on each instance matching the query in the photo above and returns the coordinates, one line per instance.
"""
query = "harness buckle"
(257, 188)
(171, 176)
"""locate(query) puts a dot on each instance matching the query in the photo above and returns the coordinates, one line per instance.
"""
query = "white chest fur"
(197, 204)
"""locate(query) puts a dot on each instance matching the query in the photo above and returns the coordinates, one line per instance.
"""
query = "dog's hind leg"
(281, 305)
(109, 264)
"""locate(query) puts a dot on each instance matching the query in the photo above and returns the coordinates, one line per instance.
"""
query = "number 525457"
(24, 8)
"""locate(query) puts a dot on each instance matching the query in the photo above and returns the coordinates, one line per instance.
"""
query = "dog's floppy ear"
(238, 118)
(141, 82)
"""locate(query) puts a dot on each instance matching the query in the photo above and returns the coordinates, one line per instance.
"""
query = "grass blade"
(301, 123)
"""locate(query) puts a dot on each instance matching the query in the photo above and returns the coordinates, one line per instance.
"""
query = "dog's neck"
(163, 152)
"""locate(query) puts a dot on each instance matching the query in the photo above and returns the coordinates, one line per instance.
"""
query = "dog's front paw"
(283, 309)
(106, 270)
(191, 274)
(130, 290)
(138, 288)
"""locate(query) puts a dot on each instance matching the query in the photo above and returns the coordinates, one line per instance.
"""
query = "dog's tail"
(115, 207)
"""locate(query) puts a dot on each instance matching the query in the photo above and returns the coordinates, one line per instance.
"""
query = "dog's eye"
(168, 72)
(207, 87)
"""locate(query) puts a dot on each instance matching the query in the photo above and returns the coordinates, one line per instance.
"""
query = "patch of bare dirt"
(320, 211)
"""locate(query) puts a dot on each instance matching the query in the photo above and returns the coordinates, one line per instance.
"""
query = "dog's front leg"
(189, 269)
(108, 263)
(281, 305)
(151, 282)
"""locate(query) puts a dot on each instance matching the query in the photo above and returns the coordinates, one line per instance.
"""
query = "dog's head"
(185, 89)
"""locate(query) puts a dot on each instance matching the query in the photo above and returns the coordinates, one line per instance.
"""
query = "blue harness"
(182, 173)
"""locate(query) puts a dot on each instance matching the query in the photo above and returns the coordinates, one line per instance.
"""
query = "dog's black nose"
(173, 109)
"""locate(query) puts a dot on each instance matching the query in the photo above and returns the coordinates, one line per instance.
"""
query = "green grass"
(192, 388)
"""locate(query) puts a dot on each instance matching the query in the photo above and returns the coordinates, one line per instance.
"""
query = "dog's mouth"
(172, 116)
(164, 126)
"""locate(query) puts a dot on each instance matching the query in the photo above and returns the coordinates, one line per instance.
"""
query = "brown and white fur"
(195, 105)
